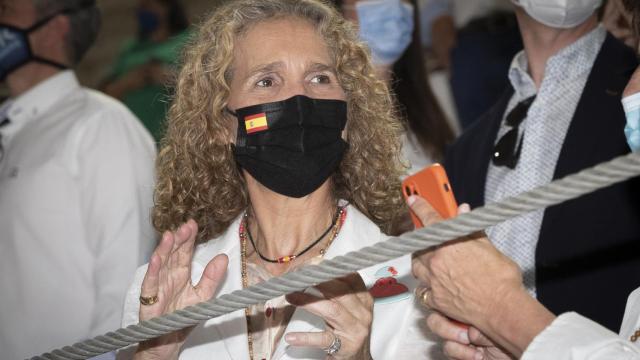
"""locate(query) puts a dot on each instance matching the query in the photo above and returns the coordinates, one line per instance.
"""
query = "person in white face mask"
(560, 14)
(390, 28)
(561, 114)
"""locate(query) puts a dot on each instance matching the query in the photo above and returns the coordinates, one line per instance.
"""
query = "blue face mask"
(148, 22)
(631, 106)
(15, 48)
(386, 26)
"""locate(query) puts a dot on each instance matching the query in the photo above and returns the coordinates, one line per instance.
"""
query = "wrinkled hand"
(169, 277)
(470, 281)
(462, 343)
(347, 308)
(467, 278)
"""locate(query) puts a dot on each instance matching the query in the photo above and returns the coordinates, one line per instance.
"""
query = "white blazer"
(397, 329)
(631, 320)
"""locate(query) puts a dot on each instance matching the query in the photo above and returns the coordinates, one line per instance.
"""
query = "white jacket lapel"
(631, 320)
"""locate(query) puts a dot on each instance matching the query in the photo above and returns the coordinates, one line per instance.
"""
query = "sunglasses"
(507, 150)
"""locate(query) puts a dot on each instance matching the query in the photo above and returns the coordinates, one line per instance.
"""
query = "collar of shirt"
(566, 65)
(37, 100)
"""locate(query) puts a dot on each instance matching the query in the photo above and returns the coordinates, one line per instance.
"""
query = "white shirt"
(397, 329)
(75, 197)
(573, 337)
(543, 133)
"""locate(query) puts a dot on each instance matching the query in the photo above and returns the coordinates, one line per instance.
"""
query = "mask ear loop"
(64, 11)
(42, 22)
(49, 62)
(235, 115)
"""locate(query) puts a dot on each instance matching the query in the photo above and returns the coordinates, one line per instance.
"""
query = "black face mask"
(292, 146)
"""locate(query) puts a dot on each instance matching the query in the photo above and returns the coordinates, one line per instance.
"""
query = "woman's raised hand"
(167, 287)
(347, 309)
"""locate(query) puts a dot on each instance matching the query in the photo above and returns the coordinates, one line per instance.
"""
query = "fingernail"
(463, 336)
(465, 208)
(290, 338)
(411, 199)
(478, 356)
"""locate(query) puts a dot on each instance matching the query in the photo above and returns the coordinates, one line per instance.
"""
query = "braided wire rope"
(570, 187)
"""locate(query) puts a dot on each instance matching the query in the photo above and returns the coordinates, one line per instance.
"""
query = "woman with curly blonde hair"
(282, 149)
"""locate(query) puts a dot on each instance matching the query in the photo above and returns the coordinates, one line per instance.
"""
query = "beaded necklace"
(289, 258)
(336, 226)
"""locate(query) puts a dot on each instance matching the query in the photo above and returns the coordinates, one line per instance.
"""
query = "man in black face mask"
(76, 173)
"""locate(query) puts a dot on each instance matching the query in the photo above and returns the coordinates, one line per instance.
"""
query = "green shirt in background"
(150, 103)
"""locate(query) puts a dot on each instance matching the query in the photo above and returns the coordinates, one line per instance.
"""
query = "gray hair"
(84, 18)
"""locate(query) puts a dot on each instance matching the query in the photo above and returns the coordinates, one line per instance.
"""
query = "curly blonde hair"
(197, 173)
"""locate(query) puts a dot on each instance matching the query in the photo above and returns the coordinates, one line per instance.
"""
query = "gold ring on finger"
(148, 300)
(423, 296)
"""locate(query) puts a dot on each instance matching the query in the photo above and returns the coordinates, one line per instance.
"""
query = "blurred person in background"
(389, 27)
(439, 78)
(475, 42)
(76, 179)
(142, 72)
(562, 114)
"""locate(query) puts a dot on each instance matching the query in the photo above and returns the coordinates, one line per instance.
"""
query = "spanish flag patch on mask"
(255, 123)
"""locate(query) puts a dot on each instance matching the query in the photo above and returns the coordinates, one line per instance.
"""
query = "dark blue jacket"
(588, 253)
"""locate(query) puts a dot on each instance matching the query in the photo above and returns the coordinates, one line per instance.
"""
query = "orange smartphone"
(433, 185)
